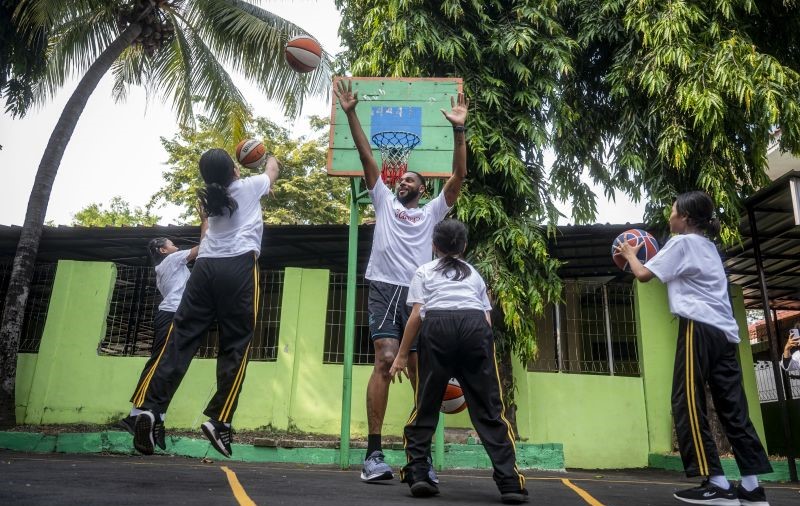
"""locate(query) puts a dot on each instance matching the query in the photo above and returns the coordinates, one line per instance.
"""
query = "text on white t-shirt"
(402, 240)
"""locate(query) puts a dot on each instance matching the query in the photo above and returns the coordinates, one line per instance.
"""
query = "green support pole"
(350, 324)
(438, 444)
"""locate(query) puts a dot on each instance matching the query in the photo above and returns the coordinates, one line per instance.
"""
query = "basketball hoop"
(395, 148)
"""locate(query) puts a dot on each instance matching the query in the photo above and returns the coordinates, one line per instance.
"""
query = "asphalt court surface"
(34, 479)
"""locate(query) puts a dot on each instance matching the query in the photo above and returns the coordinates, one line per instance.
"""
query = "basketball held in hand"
(634, 237)
(251, 153)
(303, 53)
(453, 401)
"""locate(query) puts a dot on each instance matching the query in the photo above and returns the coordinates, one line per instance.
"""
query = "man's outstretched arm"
(458, 118)
(348, 100)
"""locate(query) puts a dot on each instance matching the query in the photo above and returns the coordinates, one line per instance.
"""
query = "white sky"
(116, 148)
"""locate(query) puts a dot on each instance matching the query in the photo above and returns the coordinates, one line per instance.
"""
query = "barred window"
(35, 316)
(593, 331)
(363, 352)
(129, 326)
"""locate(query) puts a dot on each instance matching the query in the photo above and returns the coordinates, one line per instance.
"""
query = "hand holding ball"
(634, 237)
(251, 153)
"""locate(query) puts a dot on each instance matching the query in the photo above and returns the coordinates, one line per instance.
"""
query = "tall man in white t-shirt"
(401, 243)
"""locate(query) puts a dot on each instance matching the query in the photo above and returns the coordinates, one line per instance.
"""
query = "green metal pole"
(349, 325)
(438, 444)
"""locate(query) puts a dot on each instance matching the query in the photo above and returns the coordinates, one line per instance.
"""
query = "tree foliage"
(118, 214)
(303, 194)
(672, 96)
(650, 98)
(22, 59)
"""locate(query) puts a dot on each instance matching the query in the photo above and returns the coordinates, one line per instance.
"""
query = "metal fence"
(593, 331)
(765, 382)
(129, 325)
(36, 307)
(363, 351)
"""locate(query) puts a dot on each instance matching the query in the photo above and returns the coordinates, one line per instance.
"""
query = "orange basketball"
(251, 153)
(453, 401)
(303, 53)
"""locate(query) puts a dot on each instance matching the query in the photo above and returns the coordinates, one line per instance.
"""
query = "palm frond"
(49, 14)
(251, 40)
(73, 46)
(189, 71)
(128, 70)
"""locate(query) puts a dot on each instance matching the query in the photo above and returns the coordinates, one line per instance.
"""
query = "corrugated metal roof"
(585, 249)
(780, 248)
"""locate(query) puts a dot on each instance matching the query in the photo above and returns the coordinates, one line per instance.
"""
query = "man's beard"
(410, 196)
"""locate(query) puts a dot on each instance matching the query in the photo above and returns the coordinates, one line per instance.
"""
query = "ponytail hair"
(154, 249)
(698, 207)
(450, 239)
(217, 170)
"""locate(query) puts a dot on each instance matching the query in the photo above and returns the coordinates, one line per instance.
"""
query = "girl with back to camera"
(223, 286)
(172, 273)
(451, 313)
(690, 266)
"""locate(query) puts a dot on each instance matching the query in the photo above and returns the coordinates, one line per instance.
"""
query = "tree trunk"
(28, 246)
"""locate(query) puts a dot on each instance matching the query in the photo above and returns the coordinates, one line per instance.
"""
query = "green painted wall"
(68, 382)
(600, 420)
(656, 331)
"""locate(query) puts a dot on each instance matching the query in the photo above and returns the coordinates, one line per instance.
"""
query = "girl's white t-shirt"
(435, 290)
(402, 238)
(171, 277)
(690, 266)
(230, 236)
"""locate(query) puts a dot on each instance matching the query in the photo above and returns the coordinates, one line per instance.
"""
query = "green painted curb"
(673, 463)
(548, 457)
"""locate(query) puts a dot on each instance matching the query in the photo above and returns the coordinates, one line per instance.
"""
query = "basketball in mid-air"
(251, 153)
(634, 237)
(303, 53)
(453, 401)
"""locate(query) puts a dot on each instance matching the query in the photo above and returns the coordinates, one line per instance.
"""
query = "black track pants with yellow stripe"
(162, 323)
(705, 357)
(460, 344)
(221, 289)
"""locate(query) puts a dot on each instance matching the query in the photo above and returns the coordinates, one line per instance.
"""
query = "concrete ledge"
(548, 457)
(674, 463)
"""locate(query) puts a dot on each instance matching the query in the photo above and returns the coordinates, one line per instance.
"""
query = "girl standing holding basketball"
(451, 314)
(223, 286)
(690, 266)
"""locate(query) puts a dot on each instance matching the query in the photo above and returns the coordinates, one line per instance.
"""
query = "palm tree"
(176, 49)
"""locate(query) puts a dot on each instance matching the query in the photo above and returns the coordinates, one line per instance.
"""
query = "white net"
(395, 148)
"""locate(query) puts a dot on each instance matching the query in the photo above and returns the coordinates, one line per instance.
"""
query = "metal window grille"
(36, 307)
(129, 326)
(593, 331)
(363, 352)
(765, 382)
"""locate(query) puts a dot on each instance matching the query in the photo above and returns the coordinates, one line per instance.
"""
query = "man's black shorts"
(388, 312)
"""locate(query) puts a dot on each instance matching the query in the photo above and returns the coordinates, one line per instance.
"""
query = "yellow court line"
(581, 492)
(238, 492)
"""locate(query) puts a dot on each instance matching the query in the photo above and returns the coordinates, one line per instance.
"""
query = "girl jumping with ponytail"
(223, 286)
(690, 266)
(451, 313)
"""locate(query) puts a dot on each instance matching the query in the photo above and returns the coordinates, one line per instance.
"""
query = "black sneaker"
(219, 435)
(755, 497)
(516, 497)
(708, 493)
(127, 424)
(423, 488)
(143, 439)
(159, 434)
